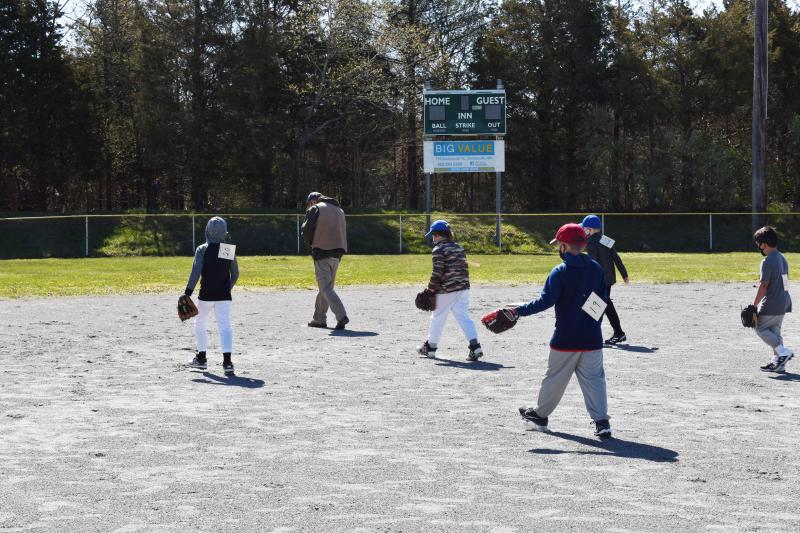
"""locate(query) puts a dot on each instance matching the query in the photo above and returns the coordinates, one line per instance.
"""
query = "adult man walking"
(325, 231)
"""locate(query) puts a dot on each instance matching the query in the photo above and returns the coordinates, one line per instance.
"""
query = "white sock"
(783, 351)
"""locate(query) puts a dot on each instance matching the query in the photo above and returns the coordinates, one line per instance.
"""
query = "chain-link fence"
(270, 234)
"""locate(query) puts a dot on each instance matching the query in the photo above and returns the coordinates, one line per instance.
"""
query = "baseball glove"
(750, 316)
(500, 320)
(186, 308)
(426, 300)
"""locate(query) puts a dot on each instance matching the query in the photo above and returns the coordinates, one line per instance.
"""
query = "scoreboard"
(464, 112)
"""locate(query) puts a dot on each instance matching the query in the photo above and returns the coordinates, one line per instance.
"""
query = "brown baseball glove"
(186, 308)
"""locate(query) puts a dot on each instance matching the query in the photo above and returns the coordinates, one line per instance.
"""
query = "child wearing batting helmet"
(450, 283)
(216, 268)
(577, 289)
(601, 249)
(772, 298)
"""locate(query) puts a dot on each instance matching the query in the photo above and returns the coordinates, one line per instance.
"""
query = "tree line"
(250, 104)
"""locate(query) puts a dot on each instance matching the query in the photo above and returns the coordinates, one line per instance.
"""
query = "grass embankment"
(128, 275)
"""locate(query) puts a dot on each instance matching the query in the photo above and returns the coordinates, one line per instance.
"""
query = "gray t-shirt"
(777, 301)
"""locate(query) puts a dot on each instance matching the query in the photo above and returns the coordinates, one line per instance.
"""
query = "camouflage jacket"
(450, 271)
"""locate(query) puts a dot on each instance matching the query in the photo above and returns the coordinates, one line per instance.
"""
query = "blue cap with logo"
(592, 221)
(439, 225)
(313, 196)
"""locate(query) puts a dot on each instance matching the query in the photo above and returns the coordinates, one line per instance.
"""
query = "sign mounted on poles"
(464, 156)
(463, 112)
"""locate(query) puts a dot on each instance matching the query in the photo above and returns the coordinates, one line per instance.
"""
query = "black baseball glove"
(750, 316)
(500, 320)
(426, 300)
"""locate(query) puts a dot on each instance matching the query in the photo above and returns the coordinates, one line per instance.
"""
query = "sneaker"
(475, 352)
(532, 420)
(616, 338)
(602, 429)
(199, 362)
(780, 366)
(227, 367)
(769, 367)
(342, 323)
(427, 351)
(316, 324)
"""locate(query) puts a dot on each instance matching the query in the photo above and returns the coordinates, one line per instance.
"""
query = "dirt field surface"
(103, 428)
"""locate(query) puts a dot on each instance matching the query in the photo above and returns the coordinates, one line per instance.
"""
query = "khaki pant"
(325, 272)
(588, 366)
(769, 329)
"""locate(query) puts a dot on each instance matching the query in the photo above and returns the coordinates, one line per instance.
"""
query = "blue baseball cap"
(313, 196)
(439, 225)
(592, 221)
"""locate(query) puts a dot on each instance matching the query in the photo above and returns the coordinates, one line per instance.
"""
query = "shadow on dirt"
(788, 376)
(469, 365)
(631, 348)
(351, 333)
(235, 381)
(613, 447)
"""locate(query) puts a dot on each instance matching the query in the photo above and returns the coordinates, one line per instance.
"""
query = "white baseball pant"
(458, 303)
(222, 311)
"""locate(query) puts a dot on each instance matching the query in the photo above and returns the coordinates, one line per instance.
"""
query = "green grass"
(130, 275)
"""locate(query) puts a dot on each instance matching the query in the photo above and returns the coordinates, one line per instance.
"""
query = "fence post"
(297, 220)
(401, 234)
(603, 223)
(194, 240)
(710, 232)
(86, 234)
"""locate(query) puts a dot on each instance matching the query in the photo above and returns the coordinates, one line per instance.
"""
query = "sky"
(73, 8)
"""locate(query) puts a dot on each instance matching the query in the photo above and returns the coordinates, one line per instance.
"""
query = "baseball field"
(103, 428)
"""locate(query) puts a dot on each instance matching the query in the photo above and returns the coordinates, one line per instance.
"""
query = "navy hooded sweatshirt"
(567, 288)
(217, 276)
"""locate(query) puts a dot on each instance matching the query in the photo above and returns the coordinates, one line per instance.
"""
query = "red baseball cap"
(570, 234)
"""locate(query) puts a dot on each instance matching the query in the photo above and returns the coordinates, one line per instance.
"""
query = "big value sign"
(464, 156)
(481, 112)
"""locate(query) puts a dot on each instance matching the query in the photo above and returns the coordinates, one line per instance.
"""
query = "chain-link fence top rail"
(279, 234)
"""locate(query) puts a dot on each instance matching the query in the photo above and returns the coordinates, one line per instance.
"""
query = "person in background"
(601, 249)
(450, 282)
(217, 272)
(772, 298)
(325, 231)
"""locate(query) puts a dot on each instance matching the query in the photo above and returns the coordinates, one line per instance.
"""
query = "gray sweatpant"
(769, 329)
(325, 272)
(588, 366)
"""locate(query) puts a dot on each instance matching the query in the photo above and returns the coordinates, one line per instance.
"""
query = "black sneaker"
(780, 366)
(617, 338)
(342, 323)
(199, 362)
(475, 352)
(532, 420)
(316, 324)
(227, 366)
(602, 429)
(427, 351)
(769, 367)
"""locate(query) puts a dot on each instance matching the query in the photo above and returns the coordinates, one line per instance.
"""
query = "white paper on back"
(594, 306)
(607, 241)
(227, 251)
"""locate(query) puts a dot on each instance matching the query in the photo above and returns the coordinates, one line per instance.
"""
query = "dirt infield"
(102, 428)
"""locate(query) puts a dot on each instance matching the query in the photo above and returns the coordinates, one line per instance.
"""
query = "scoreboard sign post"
(463, 113)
